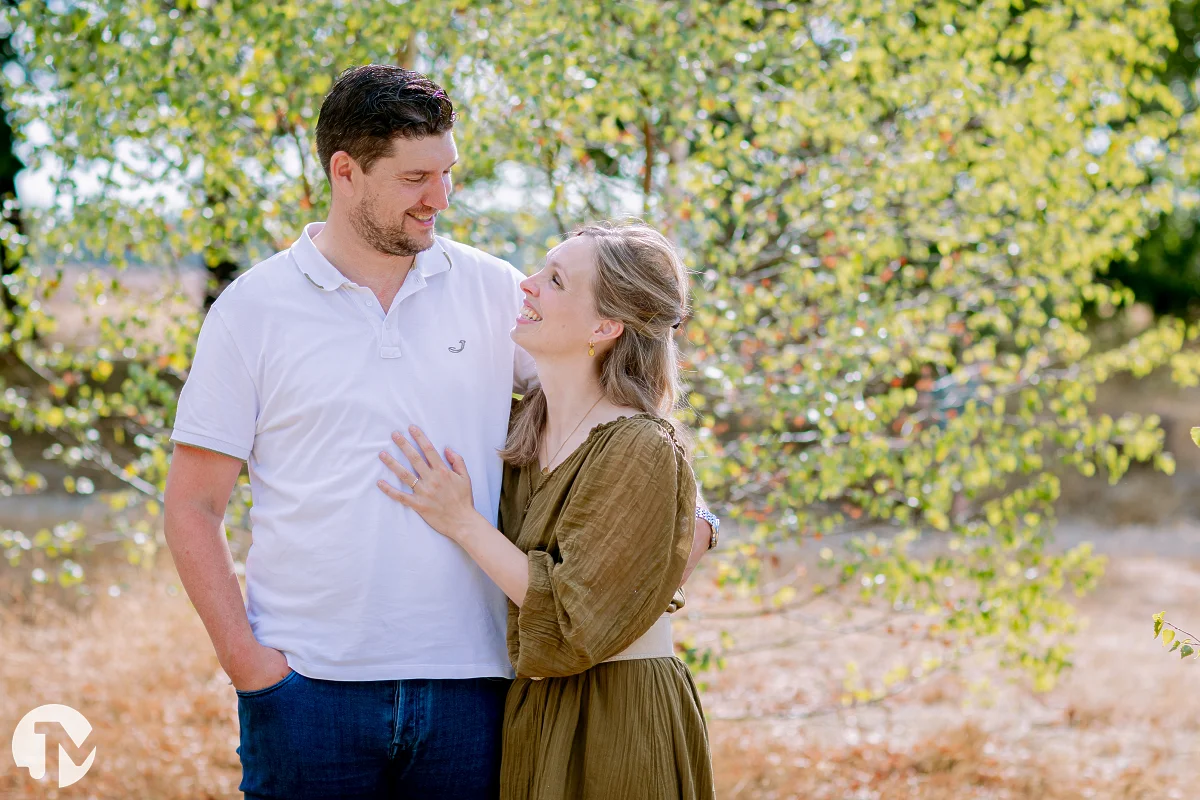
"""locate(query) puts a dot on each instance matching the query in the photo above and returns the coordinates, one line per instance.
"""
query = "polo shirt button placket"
(389, 347)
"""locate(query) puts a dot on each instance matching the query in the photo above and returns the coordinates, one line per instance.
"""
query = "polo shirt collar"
(324, 275)
(434, 260)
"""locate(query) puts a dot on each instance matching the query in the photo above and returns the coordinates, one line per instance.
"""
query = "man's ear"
(344, 175)
(608, 329)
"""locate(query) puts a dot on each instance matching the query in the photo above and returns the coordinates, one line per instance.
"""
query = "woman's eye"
(556, 281)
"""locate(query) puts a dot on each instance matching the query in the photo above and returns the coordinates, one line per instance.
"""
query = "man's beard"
(386, 238)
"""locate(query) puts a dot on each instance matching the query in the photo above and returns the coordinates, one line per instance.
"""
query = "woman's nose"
(529, 287)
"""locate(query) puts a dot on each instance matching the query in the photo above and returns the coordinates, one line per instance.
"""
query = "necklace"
(546, 469)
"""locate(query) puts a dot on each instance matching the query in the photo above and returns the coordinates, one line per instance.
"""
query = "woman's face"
(558, 316)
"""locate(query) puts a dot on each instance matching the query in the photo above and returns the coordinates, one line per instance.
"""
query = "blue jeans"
(304, 739)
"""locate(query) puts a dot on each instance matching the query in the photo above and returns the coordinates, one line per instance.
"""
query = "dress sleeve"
(623, 541)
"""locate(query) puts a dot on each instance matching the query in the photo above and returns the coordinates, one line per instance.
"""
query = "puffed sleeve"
(623, 541)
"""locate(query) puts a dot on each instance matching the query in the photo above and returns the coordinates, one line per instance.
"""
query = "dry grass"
(962, 762)
(139, 666)
(157, 295)
(1122, 725)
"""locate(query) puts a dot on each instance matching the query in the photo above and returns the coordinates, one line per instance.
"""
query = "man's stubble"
(387, 238)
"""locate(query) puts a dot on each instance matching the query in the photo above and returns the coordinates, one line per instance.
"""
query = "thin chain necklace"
(546, 469)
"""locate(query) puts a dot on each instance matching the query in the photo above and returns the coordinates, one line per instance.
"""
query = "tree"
(898, 213)
(10, 165)
(1164, 271)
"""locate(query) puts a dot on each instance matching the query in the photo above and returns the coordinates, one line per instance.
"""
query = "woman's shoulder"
(638, 433)
(634, 460)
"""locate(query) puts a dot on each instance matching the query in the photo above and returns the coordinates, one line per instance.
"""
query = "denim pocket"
(267, 690)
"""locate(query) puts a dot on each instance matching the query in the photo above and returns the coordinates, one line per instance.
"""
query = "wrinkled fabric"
(607, 533)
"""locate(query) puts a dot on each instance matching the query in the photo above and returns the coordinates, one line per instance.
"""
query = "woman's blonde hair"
(639, 281)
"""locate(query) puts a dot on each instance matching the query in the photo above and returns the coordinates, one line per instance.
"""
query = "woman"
(597, 519)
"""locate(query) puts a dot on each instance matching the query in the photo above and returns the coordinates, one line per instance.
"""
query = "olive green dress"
(607, 533)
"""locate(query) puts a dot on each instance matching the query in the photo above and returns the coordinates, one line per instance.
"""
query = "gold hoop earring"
(592, 349)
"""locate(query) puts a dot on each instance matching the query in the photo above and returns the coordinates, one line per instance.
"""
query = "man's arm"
(700, 540)
(199, 484)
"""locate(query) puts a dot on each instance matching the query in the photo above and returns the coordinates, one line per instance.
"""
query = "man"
(369, 657)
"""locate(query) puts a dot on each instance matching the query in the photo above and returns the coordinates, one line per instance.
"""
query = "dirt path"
(1122, 724)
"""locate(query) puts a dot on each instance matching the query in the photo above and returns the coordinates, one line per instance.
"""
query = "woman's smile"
(527, 316)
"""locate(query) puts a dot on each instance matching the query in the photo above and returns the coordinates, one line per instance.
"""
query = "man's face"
(403, 194)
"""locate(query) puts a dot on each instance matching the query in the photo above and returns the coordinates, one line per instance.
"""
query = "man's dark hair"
(370, 106)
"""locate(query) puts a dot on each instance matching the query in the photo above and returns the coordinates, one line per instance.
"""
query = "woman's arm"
(503, 562)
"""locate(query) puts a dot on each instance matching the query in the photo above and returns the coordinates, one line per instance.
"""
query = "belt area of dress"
(654, 643)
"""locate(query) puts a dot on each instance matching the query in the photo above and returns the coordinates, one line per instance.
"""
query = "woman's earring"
(592, 349)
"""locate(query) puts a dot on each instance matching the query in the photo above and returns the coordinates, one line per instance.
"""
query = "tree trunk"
(220, 273)
(10, 165)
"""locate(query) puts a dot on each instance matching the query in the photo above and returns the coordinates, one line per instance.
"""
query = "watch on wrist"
(712, 520)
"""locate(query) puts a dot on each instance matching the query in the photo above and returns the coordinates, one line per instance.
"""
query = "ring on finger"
(413, 485)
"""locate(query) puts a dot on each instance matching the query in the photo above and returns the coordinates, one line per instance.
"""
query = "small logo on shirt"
(462, 343)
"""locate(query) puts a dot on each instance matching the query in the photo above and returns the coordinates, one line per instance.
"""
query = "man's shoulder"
(478, 261)
(261, 282)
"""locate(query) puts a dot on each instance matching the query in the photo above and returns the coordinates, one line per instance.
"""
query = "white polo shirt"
(301, 373)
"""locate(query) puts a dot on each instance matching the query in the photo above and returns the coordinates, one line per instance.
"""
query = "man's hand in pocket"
(259, 667)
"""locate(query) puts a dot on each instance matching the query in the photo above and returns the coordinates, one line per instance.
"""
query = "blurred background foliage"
(907, 221)
(1166, 272)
